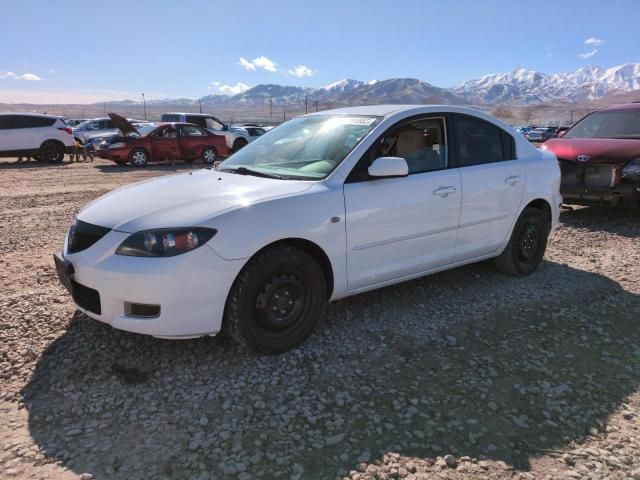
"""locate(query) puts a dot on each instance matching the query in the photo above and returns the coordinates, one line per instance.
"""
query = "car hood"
(183, 200)
(124, 125)
(599, 150)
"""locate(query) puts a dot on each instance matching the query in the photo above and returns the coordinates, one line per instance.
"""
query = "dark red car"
(161, 141)
(600, 157)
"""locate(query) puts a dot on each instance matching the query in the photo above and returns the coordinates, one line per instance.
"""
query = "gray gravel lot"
(463, 374)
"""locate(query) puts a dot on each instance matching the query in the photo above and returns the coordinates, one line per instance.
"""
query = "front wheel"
(527, 244)
(209, 155)
(276, 301)
(139, 157)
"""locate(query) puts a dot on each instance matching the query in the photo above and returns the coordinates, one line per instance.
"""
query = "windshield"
(608, 124)
(303, 148)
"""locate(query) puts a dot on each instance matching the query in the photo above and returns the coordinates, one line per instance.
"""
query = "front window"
(303, 148)
(608, 124)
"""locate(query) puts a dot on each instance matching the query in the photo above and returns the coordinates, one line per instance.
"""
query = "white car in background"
(236, 137)
(44, 137)
(324, 206)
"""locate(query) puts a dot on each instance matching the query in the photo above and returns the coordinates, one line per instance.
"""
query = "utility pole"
(284, 116)
(306, 103)
(104, 106)
(144, 104)
(200, 102)
(271, 109)
(315, 103)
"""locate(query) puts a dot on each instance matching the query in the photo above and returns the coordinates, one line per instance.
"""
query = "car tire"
(276, 301)
(138, 157)
(527, 244)
(209, 155)
(238, 144)
(52, 152)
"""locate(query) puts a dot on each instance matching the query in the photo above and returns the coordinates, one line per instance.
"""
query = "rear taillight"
(66, 129)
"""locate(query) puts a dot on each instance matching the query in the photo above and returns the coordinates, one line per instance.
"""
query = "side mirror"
(389, 167)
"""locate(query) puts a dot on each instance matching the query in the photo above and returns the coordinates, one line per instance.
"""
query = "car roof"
(31, 114)
(191, 113)
(387, 110)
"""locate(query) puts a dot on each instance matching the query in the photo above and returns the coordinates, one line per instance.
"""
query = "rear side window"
(213, 123)
(189, 131)
(479, 142)
(24, 121)
(196, 120)
(170, 117)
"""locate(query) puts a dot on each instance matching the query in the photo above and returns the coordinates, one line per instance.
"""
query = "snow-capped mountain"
(528, 86)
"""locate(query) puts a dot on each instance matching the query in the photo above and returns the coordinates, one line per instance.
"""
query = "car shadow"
(15, 165)
(509, 379)
(177, 166)
(623, 221)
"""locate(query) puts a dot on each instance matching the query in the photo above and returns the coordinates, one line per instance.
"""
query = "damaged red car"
(600, 157)
(161, 141)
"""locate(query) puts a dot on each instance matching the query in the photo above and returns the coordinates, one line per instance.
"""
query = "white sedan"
(322, 207)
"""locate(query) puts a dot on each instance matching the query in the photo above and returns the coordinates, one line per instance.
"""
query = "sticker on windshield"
(356, 120)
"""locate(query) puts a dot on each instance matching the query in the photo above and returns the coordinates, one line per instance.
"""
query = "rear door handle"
(444, 192)
(512, 180)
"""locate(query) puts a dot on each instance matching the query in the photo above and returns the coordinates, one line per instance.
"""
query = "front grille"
(590, 175)
(82, 235)
(86, 297)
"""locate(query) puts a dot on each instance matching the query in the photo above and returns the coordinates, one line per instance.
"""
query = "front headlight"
(631, 171)
(165, 242)
(118, 145)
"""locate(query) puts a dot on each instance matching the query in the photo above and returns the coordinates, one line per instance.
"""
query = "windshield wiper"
(255, 173)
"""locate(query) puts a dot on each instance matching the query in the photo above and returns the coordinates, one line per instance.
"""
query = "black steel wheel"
(527, 244)
(276, 301)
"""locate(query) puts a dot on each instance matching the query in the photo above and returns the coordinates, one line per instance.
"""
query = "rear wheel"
(277, 300)
(527, 244)
(209, 155)
(52, 152)
(138, 157)
(238, 144)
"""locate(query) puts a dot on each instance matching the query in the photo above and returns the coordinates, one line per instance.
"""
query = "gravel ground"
(463, 374)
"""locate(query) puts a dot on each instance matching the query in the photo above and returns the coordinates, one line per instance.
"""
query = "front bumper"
(191, 289)
(581, 195)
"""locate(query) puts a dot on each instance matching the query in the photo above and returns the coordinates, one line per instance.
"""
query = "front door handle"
(512, 180)
(444, 192)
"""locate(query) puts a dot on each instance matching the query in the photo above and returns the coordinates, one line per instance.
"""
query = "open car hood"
(124, 125)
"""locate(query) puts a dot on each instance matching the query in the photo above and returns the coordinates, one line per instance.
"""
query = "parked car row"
(193, 135)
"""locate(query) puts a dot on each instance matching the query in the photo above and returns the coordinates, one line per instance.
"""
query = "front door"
(402, 226)
(164, 144)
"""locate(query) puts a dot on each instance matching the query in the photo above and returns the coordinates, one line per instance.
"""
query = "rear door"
(8, 133)
(192, 140)
(164, 144)
(493, 182)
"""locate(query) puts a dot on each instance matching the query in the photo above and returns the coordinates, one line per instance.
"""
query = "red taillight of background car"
(66, 129)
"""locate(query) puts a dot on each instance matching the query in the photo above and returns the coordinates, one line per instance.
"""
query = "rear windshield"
(608, 124)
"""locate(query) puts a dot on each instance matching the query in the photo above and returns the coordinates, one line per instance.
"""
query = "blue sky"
(68, 51)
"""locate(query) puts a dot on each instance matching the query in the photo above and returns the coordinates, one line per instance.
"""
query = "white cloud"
(594, 41)
(301, 71)
(246, 64)
(591, 42)
(234, 89)
(259, 62)
(588, 54)
(30, 77)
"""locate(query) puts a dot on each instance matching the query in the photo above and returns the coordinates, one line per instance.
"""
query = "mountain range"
(520, 86)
